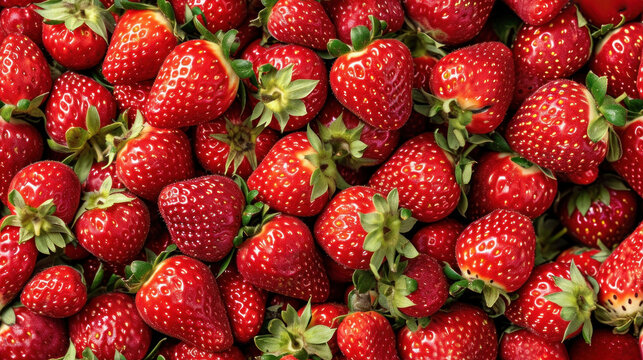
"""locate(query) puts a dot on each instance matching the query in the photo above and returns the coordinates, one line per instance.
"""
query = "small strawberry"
(220, 15)
(423, 68)
(439, 240)
(630, 165)
(185, 351)
(346, 14)
(601, 13)
(383, 98)
(536, 12)
(524, 345)
(57, 292)
(366, 335)
(442, 337)
(98, 173)
(31, 336)
(245, 304)
(23, 20)
(588, 260)
(579, 178)
(110, 323)
(326, 314)
(606, 345)
(132, 98)
(17, 262)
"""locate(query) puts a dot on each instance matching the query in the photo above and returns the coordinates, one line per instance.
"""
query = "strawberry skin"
(220, 15)
(141, 41)
(22, 20)
(197, 73)
(326, 314)
(430, 188)
(550, 128)
(524, 345)
(245, 304)
(630, 165)
(181, 299)
(132, 97)
(33, 337)
(606, 345)
(432, 287)
(302, 22)
(203, 215)
(585, 258)
(423, 68)
(282, 258)
(536, 12)
(56, 292)
(76, 50)
(25, 72)
(439, 240)
(17, 262)
(346, 14)
(98, 173)
(184, 351)
(366, 335)
(609, 12)
(110, 322)
(443, 337)
(21, 145)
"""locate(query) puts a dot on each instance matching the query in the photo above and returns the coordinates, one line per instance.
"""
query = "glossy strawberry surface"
(76, 50)
(439, 239)
(302, 22)
(33, 337)
(346, 14)
(17, 262)
(630, 165)
(366, 335)
(245, 304)
(536, 12)
(24, 71)
(524, 345)
(20, 145)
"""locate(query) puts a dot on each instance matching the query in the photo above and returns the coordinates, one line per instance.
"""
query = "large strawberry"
(17, 262)
(606, 345)
(442, 337)
(536, 12)
(613, 12)
(21, 145)
(439, 240)
(23, 20)
(57, 292)
(383, 97)
(346, 14)
(630, 164)
(245, 304)
(203, 215)
(366, 335)
(524, 345)
(110, 323)
(31, 336)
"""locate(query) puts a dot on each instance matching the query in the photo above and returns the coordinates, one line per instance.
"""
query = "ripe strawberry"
(112, 225)
(366, 335)
(282, 258)
(606, 345)
(618, 56)
(180, 298)
(555, 303)
(203, 215)
(220, 15)
(21, 145)
(301, 22)
(17, 262)
(346, 14)
(326, 314)
(231, 144)
(383, 98)
(110, 323)
(609, 12)
(588, 260)
(605, 211)
(184, 351)
(630, 165)
(337, 273)
(442, 337)
(580, 178)
(57, 292)
(439, 239)
(524, 345)
(33, 337)
(552, 50)
(23, 20)
(141, 41)
(430, 188)
(537, 12)
(245, 304)
(98, 173)
(132, 98)
(500, 183)
(423, 66)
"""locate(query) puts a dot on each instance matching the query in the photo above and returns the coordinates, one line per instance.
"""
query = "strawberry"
(141, 41)
(23, 20)
(555, 302)
(110, 323)
(203, 215)
(620, 284)
(423, 68)
(112, 225)
(430, 188)
(301, 22)
(500, 183)
(184, 351)
(439, 239)
(245, 304)
(629, 165)
(132, 98)
(337, 273)
(179, 297)
(605, 211)
(606, 345)
(588, 260)
(524, 345)
(26, 76)
(31, 336)
(282, 258)
(326, 314)
(220, 15)
(21, 146)
(537, 12)
(552, 50)
(580, 178)
(231, 144)
(612, 12)
(366, 335)
(442, 337)
(383, 98)
(618, 56)
(17, 262)
(346, 14)
(98, 173)
(78, 39)
(57, 292)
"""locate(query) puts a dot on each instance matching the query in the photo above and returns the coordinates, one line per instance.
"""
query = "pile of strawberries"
(321, 179)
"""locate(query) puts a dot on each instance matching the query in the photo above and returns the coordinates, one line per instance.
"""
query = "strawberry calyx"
(104, 198)
(621, 324)
(606, 112)
(48, 231)
(161, 5)
(116, 141)
(582, 198)
(293, 335)
(27, 107)
(419, 42)
(361, 37)
(75, 13)
(139, 271)
(88, 354)
(326, 177)
(394, 289)
(242, 139)
(346, 145)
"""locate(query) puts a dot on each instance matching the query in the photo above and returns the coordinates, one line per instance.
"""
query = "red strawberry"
(336, 272)
(618, 56)
(424, 173)
(73, 251)
(141, 41)
(58, 292)
(203, 215)
(553, 50)
(580, 178)
(110, 323)
(184, 351)
(442, 338)
(282, 258)
(181, 299)
(112, 225)
(17, 262)
(524, 345)
(609, 12)
(21, 145)
(605, 211)
(346, 14)
(383, 97)
(10, 3)
(536, 12)
(588, 260)
(366, 335)
(551, 288)
(231, 144)
(301, 22)
(606, 345)
(327, 315)
(220, 15)
(23, 20)
(630, 165)
(245, 304)
(432, 289)
(33, 337)
(500, 183)
(423, 68)
(98, 173)
(439, 239)
(449, 22)
(132, 97)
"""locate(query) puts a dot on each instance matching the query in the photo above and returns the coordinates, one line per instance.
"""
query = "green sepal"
(494, 299)
(104, 198)
(606, 28)
(326, 178)
(31, 108)
(8, 316)
(361, 37)
(419, 42)
(581, 198)
(610, 112)
(347, 148)
(241, 139)
(75, 13)
(137, 273)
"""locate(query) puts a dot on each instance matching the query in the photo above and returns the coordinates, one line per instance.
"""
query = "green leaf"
(597, 129)
(8, 316)
(243, 68)
(615, 149)
(614, 113)
(597, 87)
(583, 202)
(336, 48)
(318, 334)
(360, 37)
